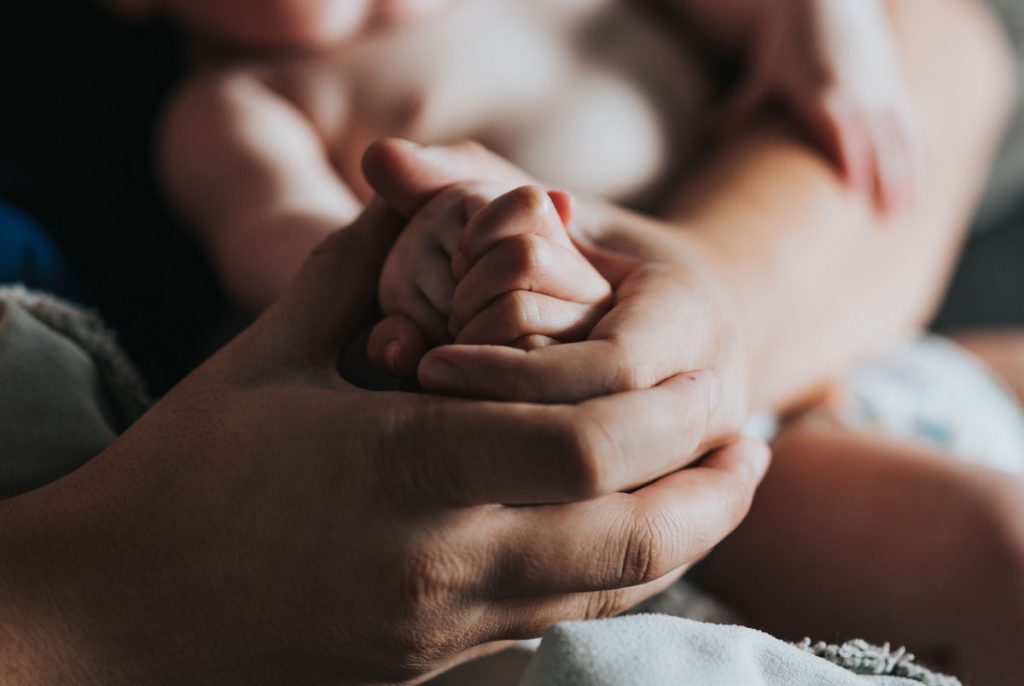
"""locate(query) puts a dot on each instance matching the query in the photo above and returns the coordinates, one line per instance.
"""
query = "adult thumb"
(336, 290)
(408, 175)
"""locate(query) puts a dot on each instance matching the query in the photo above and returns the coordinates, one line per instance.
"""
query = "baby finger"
(526, 262)
(517, 317)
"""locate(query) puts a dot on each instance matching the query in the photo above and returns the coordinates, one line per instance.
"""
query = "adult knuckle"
(628, 371)
(624, 377)
(403, 474)
(416, 651)
(427, 578)
(604, 604)
(645, 556)
(589, 451)
(696, 532)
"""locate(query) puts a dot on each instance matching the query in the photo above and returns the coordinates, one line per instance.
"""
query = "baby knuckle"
(395, 298)
(530, 200)
(520, 313)
(527, 253)
(456, 193)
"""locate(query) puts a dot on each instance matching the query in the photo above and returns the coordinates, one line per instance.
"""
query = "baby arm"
(835, 65)
(247, 170)
(471, 271)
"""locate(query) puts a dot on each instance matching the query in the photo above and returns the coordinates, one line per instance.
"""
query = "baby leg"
(854, 534)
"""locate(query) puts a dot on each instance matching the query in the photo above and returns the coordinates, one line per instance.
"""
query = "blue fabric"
(29, 256)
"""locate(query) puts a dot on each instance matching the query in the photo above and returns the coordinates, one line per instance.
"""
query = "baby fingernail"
(565, 205)
(441, 374)
(391, 353)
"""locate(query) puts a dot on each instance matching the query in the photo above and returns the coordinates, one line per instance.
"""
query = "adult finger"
(625, 539)
(651, 333)
(519, 314)
(525, 618)
(512, 453)
(336, 290)
(407, 175)
(526, 262)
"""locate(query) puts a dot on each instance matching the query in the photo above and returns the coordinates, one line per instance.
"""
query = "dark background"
(80, 97)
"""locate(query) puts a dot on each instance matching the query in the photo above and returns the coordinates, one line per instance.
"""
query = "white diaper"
(935, 391)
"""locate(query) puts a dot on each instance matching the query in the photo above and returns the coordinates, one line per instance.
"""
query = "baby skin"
(895, 540)
(473, 271)
(261, 150)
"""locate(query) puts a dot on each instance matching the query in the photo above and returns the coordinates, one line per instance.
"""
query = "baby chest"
(589, 95)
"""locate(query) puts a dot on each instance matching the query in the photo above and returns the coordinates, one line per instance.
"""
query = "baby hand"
(478, 272)
(834, 63)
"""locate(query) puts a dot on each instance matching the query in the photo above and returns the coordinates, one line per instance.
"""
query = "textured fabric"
(656, 650)
(934, 391)
(66, 390)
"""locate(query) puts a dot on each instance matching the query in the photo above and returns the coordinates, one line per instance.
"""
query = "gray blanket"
(659, 650)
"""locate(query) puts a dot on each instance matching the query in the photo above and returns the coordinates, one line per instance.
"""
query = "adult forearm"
(257, 262)
(819, 277)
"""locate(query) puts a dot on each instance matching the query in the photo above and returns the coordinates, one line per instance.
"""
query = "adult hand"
(267, 522)
(671, 314)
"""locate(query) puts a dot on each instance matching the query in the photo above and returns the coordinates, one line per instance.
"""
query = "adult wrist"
(39, 642)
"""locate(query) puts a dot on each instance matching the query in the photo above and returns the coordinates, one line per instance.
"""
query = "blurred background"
(80, 96)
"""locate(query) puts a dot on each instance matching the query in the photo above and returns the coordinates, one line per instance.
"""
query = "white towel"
(659, 650)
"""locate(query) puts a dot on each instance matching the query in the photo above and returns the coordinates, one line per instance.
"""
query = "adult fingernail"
(391, 354)
(441, 374)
